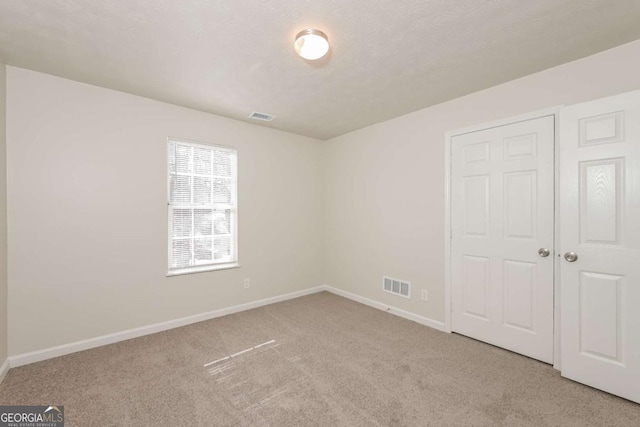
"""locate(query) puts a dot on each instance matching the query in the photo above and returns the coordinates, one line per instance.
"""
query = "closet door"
(600, 244)
(502, 195)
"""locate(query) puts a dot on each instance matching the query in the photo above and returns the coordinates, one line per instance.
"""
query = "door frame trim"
(552, 111)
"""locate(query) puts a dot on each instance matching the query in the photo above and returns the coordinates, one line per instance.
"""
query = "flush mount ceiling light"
(311, 44)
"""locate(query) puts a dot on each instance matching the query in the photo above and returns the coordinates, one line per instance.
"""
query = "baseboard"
(61, 350)
(435, 324)
(3, 370)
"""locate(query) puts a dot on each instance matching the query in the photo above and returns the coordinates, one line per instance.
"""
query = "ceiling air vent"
(397, 287)
(262, 116)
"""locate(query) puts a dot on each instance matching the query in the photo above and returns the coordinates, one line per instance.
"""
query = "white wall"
(3, 220)
(384, 186)
(87, 212)
(87, 201)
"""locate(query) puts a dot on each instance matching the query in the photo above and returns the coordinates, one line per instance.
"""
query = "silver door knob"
(543, 252)
(571, 256)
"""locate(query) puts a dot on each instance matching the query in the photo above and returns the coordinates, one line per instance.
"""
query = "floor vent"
(397, 287)
(261, 116)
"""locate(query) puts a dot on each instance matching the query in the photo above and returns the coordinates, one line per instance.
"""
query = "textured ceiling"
(232, 57)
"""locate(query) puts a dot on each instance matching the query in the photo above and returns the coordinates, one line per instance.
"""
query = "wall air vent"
(397, 287)
(261, 116)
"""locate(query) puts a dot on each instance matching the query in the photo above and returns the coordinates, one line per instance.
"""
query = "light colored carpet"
(320, 360)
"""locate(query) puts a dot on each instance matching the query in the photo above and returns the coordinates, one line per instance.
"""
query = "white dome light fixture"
(311, 44)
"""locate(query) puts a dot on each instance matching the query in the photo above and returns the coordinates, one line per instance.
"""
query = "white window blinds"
(202, 207)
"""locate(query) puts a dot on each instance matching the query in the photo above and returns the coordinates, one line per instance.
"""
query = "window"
(202, 207)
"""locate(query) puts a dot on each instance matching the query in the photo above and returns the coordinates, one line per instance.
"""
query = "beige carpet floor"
(320, 360)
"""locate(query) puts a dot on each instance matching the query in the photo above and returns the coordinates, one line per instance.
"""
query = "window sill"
(202, 269)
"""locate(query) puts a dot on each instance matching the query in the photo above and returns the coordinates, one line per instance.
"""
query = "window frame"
(234, 231)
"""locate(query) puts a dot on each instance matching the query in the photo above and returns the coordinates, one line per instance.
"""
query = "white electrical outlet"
(247, 283)
(425, 295)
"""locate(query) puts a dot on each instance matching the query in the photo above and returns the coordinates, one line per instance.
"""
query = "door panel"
(600, 201)
(475, 286)
(519, 297)
(476, 205)
(501, 214)
(600, 316)
(600, 221)
(520, 204)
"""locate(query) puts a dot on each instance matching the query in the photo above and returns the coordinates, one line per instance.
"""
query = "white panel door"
(502, 195)
(600, 223)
